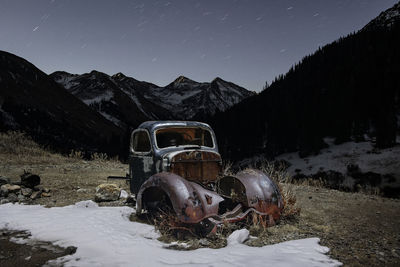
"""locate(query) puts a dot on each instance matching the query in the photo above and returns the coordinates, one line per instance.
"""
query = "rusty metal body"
(177, 163)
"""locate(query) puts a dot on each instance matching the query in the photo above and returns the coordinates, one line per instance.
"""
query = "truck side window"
(141, 142)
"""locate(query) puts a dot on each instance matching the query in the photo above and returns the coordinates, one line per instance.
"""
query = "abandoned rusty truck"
(177, 164)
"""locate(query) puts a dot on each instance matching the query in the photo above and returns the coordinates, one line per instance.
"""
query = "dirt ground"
(360, 230)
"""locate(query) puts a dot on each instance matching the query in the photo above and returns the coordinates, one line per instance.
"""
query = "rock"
(26, 192)
(44, 194)
(6, 189)
(4, 201)
(35, 195)
(4, 180)
(30, 180)
(14, 188)
(71, 250)
(107, 192)
(21, 198)
(12, 197)
(46, 190)
(82, 190)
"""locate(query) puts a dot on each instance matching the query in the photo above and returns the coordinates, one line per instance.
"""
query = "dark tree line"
(347, 89)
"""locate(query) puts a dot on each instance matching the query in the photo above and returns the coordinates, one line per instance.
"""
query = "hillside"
(347, 90)
(32, 102)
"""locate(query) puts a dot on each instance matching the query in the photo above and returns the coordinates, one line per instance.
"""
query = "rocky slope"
(386, 19)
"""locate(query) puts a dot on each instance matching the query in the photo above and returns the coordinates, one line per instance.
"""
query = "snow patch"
(238, 237)
(106, 96)
(114, 120)
(105, 237)
(338, 157)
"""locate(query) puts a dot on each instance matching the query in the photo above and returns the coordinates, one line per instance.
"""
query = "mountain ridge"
(178, 100)
(31, 102)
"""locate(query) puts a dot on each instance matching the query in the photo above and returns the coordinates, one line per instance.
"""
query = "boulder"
(107, 192)
(30, 180)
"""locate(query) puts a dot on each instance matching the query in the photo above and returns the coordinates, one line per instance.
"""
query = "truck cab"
(188, 149)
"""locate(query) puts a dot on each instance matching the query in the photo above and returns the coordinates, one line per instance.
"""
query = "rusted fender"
(253, 189)
(191, 202)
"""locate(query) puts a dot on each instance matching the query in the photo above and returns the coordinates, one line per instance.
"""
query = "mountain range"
(126, 101)
(95, 111)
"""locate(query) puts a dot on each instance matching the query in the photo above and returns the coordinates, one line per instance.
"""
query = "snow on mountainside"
(386, 19)
(112, 97)
(182, 99)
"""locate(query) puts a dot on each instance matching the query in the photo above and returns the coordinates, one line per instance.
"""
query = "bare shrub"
(99, 156)
(227, 168)
(76, 154)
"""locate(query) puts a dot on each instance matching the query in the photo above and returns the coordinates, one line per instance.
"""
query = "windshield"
(183, 136)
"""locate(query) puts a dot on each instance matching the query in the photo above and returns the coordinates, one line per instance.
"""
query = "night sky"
(247, 42)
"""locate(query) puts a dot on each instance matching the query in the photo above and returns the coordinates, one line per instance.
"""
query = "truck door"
(141, 163)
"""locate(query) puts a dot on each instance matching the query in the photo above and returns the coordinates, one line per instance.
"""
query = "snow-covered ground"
(105, 237)
(338, 157)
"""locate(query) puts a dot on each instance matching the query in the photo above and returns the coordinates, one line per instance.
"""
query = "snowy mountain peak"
(386, 19)
(182, 79)
(118, 75)
(182, 82)
(218, 79)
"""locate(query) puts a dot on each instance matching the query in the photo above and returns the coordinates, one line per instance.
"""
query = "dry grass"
(19, 147)
(227, 169)
(16, 144)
